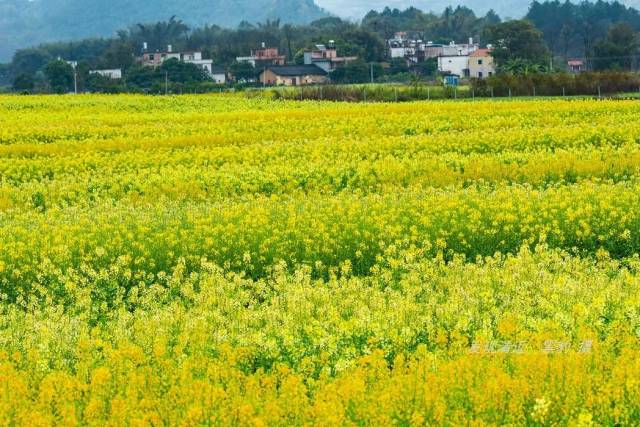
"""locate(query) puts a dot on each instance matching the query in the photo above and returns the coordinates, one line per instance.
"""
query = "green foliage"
(243, 71)
(60, 76)
(453, 24)
(556, 84)
(417, 90)
(519, 66)
(24, 83)
(181, 72)
(30, 60)
(516, 40)
(158, 35)
(573, 29)
(617, 50)
(38, 201)
(356, 72)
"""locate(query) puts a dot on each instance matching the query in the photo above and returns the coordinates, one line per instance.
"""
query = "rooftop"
(480, 53)
(297, 70)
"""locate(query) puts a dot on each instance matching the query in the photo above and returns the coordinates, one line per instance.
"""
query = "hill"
(25, 23)
(505, 8)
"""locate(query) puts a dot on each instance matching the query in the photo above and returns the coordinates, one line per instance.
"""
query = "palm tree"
(522, 67)
(160, 34)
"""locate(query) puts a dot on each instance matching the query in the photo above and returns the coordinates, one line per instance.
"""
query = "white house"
(481, 64)
(417, 51)
(195, 58)
(326, 57)
(219, 75)
(264, 57)
(155, 59)
(454, 64)
(453, 49)
(115, 73)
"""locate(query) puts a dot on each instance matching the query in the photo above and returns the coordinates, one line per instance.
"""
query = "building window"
(479, 61)
(152, 57)
(479, 74)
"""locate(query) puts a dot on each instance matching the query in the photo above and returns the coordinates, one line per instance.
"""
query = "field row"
(216, 260)
(43, 246)
(217, 348)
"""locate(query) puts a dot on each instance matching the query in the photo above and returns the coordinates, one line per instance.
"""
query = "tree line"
(604, 33)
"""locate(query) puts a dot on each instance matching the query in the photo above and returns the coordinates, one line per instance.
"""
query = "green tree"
(243, 71)
(60, 76)
(398, 65)
(356, 72)
(24, 83)
(365, 44)
(5, 70)
(158, 35)
(181, 72)
(517, 40)
(30, 60)
(120, 54)
(427, 68)
(617, 50)
(523, 67)
(139, 77)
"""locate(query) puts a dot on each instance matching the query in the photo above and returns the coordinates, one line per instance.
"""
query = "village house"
(219, 75)
(114, 74)
(415, 51)
(457, 65)
(576, 65)
(466, 60)
(481, 64)
(263, 57)
(293, 75)
(155, 59)
(326, 57)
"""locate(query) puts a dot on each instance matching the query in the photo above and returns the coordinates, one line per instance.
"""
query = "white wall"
(454, 65)
(219, 78)
(112, 74)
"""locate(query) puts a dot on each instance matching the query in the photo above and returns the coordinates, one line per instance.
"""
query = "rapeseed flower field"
(220, 260)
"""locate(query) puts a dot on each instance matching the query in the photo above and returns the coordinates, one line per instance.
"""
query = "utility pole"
(166, 82)
(371, 69)
(75, 81)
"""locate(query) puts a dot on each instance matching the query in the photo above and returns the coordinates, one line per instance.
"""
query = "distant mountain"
(27, 22)
(356, 9)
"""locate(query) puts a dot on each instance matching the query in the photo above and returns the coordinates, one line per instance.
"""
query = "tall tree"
(517, 40)
(159, 35)
(60, 76)
(618, 50)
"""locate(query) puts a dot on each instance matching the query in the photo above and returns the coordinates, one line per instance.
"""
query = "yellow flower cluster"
(219, 260)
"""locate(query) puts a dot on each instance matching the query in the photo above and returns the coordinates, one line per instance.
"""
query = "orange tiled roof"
(480, 52)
